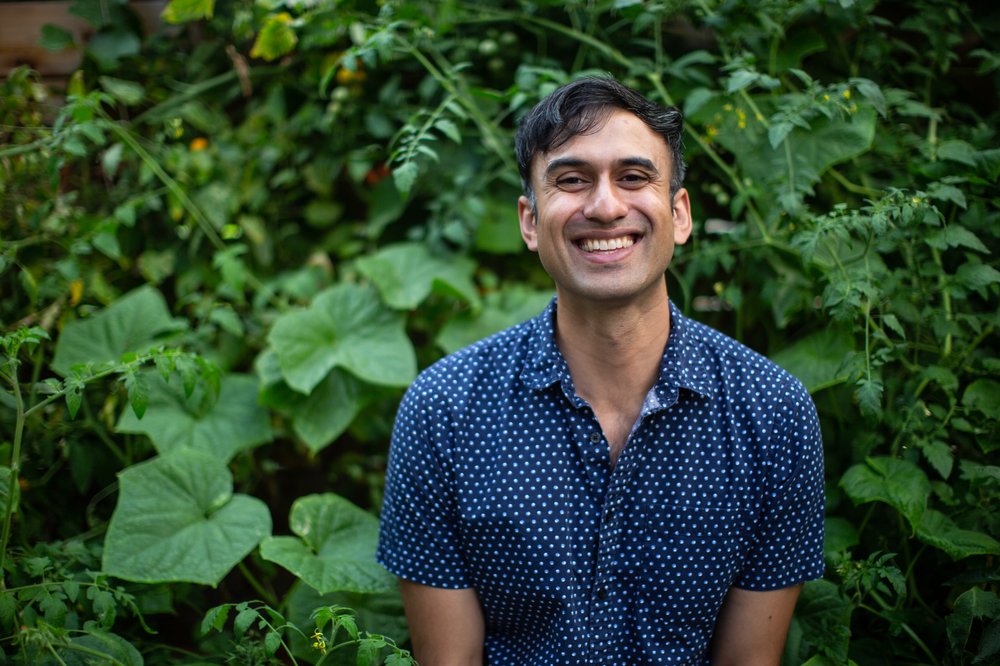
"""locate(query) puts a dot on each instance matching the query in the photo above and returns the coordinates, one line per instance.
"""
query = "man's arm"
(752, 627)
(446, 626)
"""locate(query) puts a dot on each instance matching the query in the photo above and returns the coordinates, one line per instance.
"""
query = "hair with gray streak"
(581, 107)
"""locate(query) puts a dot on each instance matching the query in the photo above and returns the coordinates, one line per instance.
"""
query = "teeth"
(593, 245)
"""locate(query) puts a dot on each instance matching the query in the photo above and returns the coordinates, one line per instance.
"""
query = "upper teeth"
(592, 245)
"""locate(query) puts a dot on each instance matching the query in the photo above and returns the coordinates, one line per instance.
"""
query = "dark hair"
(582, 106)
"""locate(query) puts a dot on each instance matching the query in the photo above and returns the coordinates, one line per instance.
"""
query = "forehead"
(620, 137)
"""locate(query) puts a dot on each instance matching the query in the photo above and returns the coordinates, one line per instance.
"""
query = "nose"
(605, 202)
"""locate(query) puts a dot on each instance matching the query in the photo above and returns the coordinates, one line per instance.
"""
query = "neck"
(613, 348)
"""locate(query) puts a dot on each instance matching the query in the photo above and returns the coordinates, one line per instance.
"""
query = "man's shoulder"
(740, 366)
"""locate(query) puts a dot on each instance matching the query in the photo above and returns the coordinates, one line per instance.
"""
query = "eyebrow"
(577, 163)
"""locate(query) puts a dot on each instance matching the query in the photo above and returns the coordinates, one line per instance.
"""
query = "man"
(610, 482)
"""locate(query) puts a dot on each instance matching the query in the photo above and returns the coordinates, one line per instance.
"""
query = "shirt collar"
(684, 363)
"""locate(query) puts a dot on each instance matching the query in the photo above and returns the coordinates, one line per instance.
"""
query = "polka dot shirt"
(500, 479)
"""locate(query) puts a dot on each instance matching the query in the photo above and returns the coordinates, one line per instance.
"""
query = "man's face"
(605, 228)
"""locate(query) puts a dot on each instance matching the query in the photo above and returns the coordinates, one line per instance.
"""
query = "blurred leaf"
(222, 427)
(130, 324)
(983, 395)
(869, 394)
(405, 274)
(345, 326)
(276, 38)
(500, 310)
(185, 11)
(336, 548)
(818, 360)
(55, 38)
(128, 93)
(110, 47)
(840, 536)
(822, 619)
(974, 603)
(177, 520)
(957, 151)
(898, 483)
(405, 176)
(325, 414)
(941, 532)
(6, 505)
(98, 646)
(138, 393)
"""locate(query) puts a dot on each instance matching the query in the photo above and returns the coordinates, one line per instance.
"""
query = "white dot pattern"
(500, 479)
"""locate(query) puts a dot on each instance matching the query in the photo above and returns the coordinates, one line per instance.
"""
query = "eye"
(634, 179)
(571, 182)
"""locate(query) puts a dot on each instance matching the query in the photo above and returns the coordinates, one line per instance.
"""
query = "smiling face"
(604, 226)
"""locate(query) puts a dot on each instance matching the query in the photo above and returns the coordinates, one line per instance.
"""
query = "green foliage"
(228, 246)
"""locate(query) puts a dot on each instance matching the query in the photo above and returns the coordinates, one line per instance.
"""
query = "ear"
(682, 216)
(526, 217)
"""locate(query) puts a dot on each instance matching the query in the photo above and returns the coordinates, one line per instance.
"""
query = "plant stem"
(902, 625)
(15, 466)
(268, 597)
(945, 300)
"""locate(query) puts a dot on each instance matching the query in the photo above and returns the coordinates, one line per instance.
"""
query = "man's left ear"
(681, 206)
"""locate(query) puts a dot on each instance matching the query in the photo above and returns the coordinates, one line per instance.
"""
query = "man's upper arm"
(752, 627)
(446, 626)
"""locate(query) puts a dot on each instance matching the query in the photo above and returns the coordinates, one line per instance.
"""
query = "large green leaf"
(983, 395)
(177, 519)
(130, 324)
(818, 360)
(406, 273)
(500, 310)
(322, 416)
(222, 427)
(336, 551)
(345, 326)
(97, 647)
(804, 155)
(899, 483)
(974, 603)
(941, 532)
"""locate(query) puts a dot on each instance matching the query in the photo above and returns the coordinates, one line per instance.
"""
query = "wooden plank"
(21, 29)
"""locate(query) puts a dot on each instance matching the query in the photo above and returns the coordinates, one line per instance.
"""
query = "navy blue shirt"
(500, 479)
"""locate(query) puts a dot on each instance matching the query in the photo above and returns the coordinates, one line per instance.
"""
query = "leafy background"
(228, 246)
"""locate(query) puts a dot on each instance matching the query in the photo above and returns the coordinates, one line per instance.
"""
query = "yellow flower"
(826, 98)
(201, 143)
(711, 131)
(847, 94)
(75, 291)
(319, 641)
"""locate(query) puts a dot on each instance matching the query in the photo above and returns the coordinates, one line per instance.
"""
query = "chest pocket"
(693, 553)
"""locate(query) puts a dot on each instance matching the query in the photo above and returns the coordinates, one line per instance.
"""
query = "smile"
(605, 244)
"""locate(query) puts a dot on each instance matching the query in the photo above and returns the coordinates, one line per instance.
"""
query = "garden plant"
(228, 246)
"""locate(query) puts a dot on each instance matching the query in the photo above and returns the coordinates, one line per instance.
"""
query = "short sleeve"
(418, 536)
(788, 546)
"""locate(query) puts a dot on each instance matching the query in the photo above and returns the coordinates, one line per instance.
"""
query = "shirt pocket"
(691, 555)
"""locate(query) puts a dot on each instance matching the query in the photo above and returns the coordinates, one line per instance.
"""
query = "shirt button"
(595, 437)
